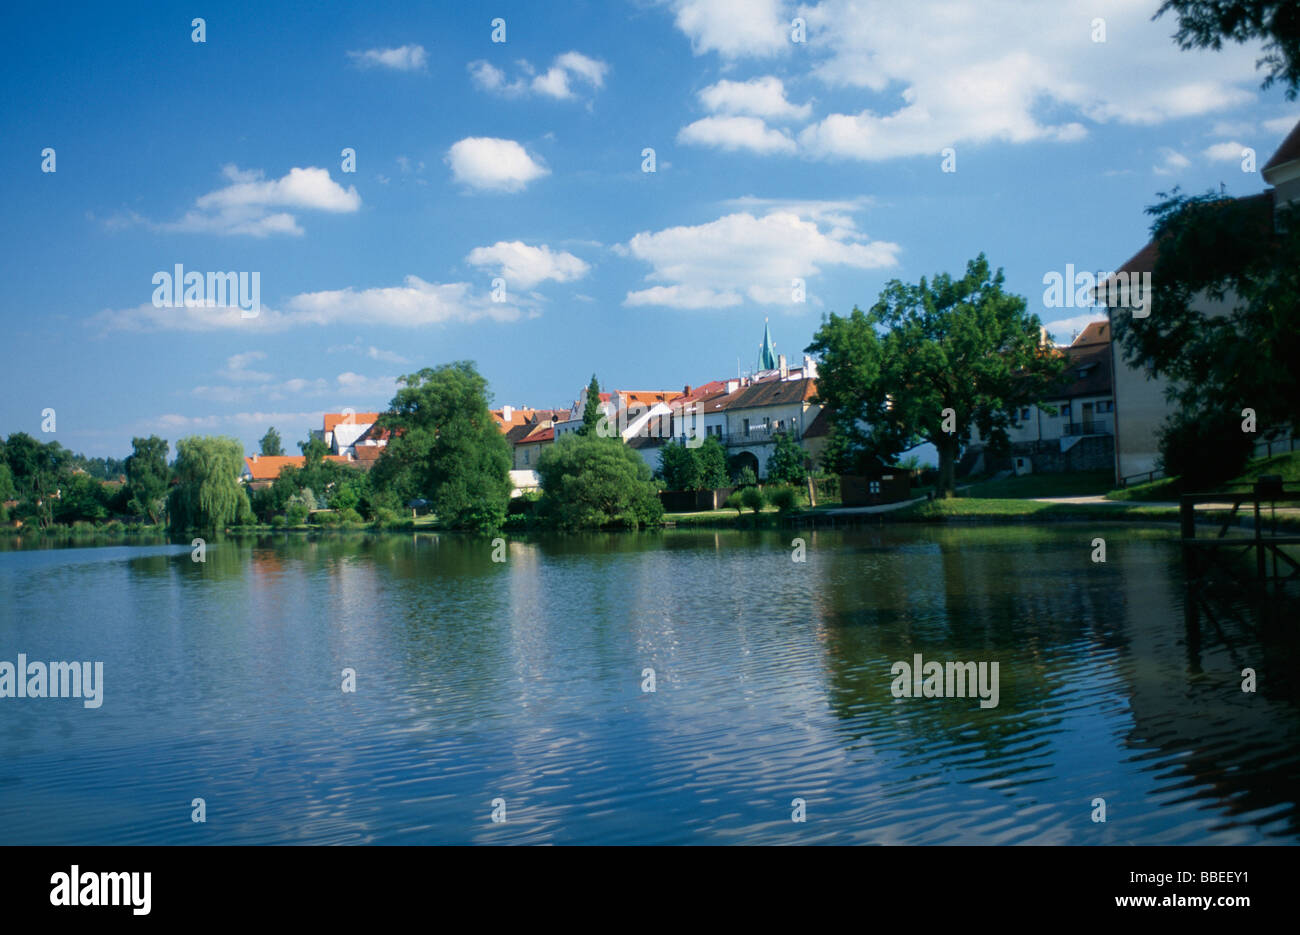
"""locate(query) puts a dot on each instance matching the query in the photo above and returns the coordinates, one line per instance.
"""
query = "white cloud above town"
(742, 257)
(415, 303)
(1000, 71)
(730, 134)
(1171, 162)
(256, 206)
(1224, 152)
(567, 74)
(758, 97)
(523, 266)
(490, 164)
(402, 58)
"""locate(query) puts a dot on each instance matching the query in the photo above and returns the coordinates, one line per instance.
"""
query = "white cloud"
(300, 387)
(1282, 125)
(734, 28)
(758, 97)
(556, 82)
(523, 266)
(1224, 152)
(736, 133)
(413, 304)
(1171, 161)
(237, 367)
(402, 58)
(1063, 330)
(927, 74)
(247, 205)
(740, 256)
(492, 164)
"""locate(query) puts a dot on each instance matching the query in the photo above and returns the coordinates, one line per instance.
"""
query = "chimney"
(254, 459)
(686, 390)
(733, 385)
(809, 368)
(781, 366)
(507, 413)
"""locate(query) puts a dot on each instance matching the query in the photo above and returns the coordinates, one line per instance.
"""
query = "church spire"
(767, 354)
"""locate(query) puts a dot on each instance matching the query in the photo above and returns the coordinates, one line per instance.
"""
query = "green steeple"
(767, 355)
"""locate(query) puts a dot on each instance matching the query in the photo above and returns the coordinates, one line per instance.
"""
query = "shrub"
(296, 514)
(752, 499)
(279, 521)
(733, 503)
(384, 517)
(350, 517)
(326, 518)
(744, 477)
(784, 499)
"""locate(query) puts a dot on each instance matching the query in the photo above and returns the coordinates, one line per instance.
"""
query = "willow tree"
(208, 494)
(930, 362)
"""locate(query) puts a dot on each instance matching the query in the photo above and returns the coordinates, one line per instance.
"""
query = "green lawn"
(1169, 488)
(1073, 484)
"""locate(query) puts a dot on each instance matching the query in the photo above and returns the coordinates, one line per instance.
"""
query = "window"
(874, 486)
(1065, 410)
(745, 426)
(1106, 405)
(527, 454)
(1024, 414)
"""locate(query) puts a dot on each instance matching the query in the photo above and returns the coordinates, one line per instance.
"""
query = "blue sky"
(522, 161)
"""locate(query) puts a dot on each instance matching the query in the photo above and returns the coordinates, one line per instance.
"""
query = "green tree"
(1205, 24)
(81, 498)
(313, 451)
(146, 476)
(786, 465)
(589, 482)
(271, 446)
(7, 489)
(954, 355)
(679, 466)
(37, 469)
(712, 459)
(591, 411)
(1246, 262)
(208, 494)
(446, 447)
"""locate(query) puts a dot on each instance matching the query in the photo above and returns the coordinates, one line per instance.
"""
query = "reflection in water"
(522, 680)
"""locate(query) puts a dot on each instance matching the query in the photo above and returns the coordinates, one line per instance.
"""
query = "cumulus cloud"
(402, 58)
(742, 257)
(491, 164)
(556, 82)
(1171, 161)
(1224, 152)
(254, 205)
(736, 133)
(413, 304)
(237, 367)
(930, 74)
(523, 266)
(758, 97)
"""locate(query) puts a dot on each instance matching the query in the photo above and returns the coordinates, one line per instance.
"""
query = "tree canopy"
(446, 448)
(270, 445)
(591, 410)
(589, 482)
(1205, 24)
(147, 476)
(208, 494)
(930, 362)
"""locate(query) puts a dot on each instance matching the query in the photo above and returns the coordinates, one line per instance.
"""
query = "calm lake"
(523, 680)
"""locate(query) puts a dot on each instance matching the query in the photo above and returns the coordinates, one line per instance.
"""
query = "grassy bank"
(1286, 465)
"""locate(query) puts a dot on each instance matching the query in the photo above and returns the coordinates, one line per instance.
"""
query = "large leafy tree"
(787, 462)
(208, 494)
(589, 482)
(1206, 24)
(37, 469)
(712, 459)
(591, 411)
(447, 448)
(679, 467)
(147, 476)
(270, 445)
(1224, 325)
(930, 362)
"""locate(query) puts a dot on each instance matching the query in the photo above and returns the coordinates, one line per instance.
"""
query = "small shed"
(878, 484)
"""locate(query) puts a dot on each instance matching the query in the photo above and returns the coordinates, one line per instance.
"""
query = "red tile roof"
(357, 418)
(1097, 332)
(268, 467)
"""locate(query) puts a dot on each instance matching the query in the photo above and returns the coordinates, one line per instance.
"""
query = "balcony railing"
(758, 435)
(1096, 427)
